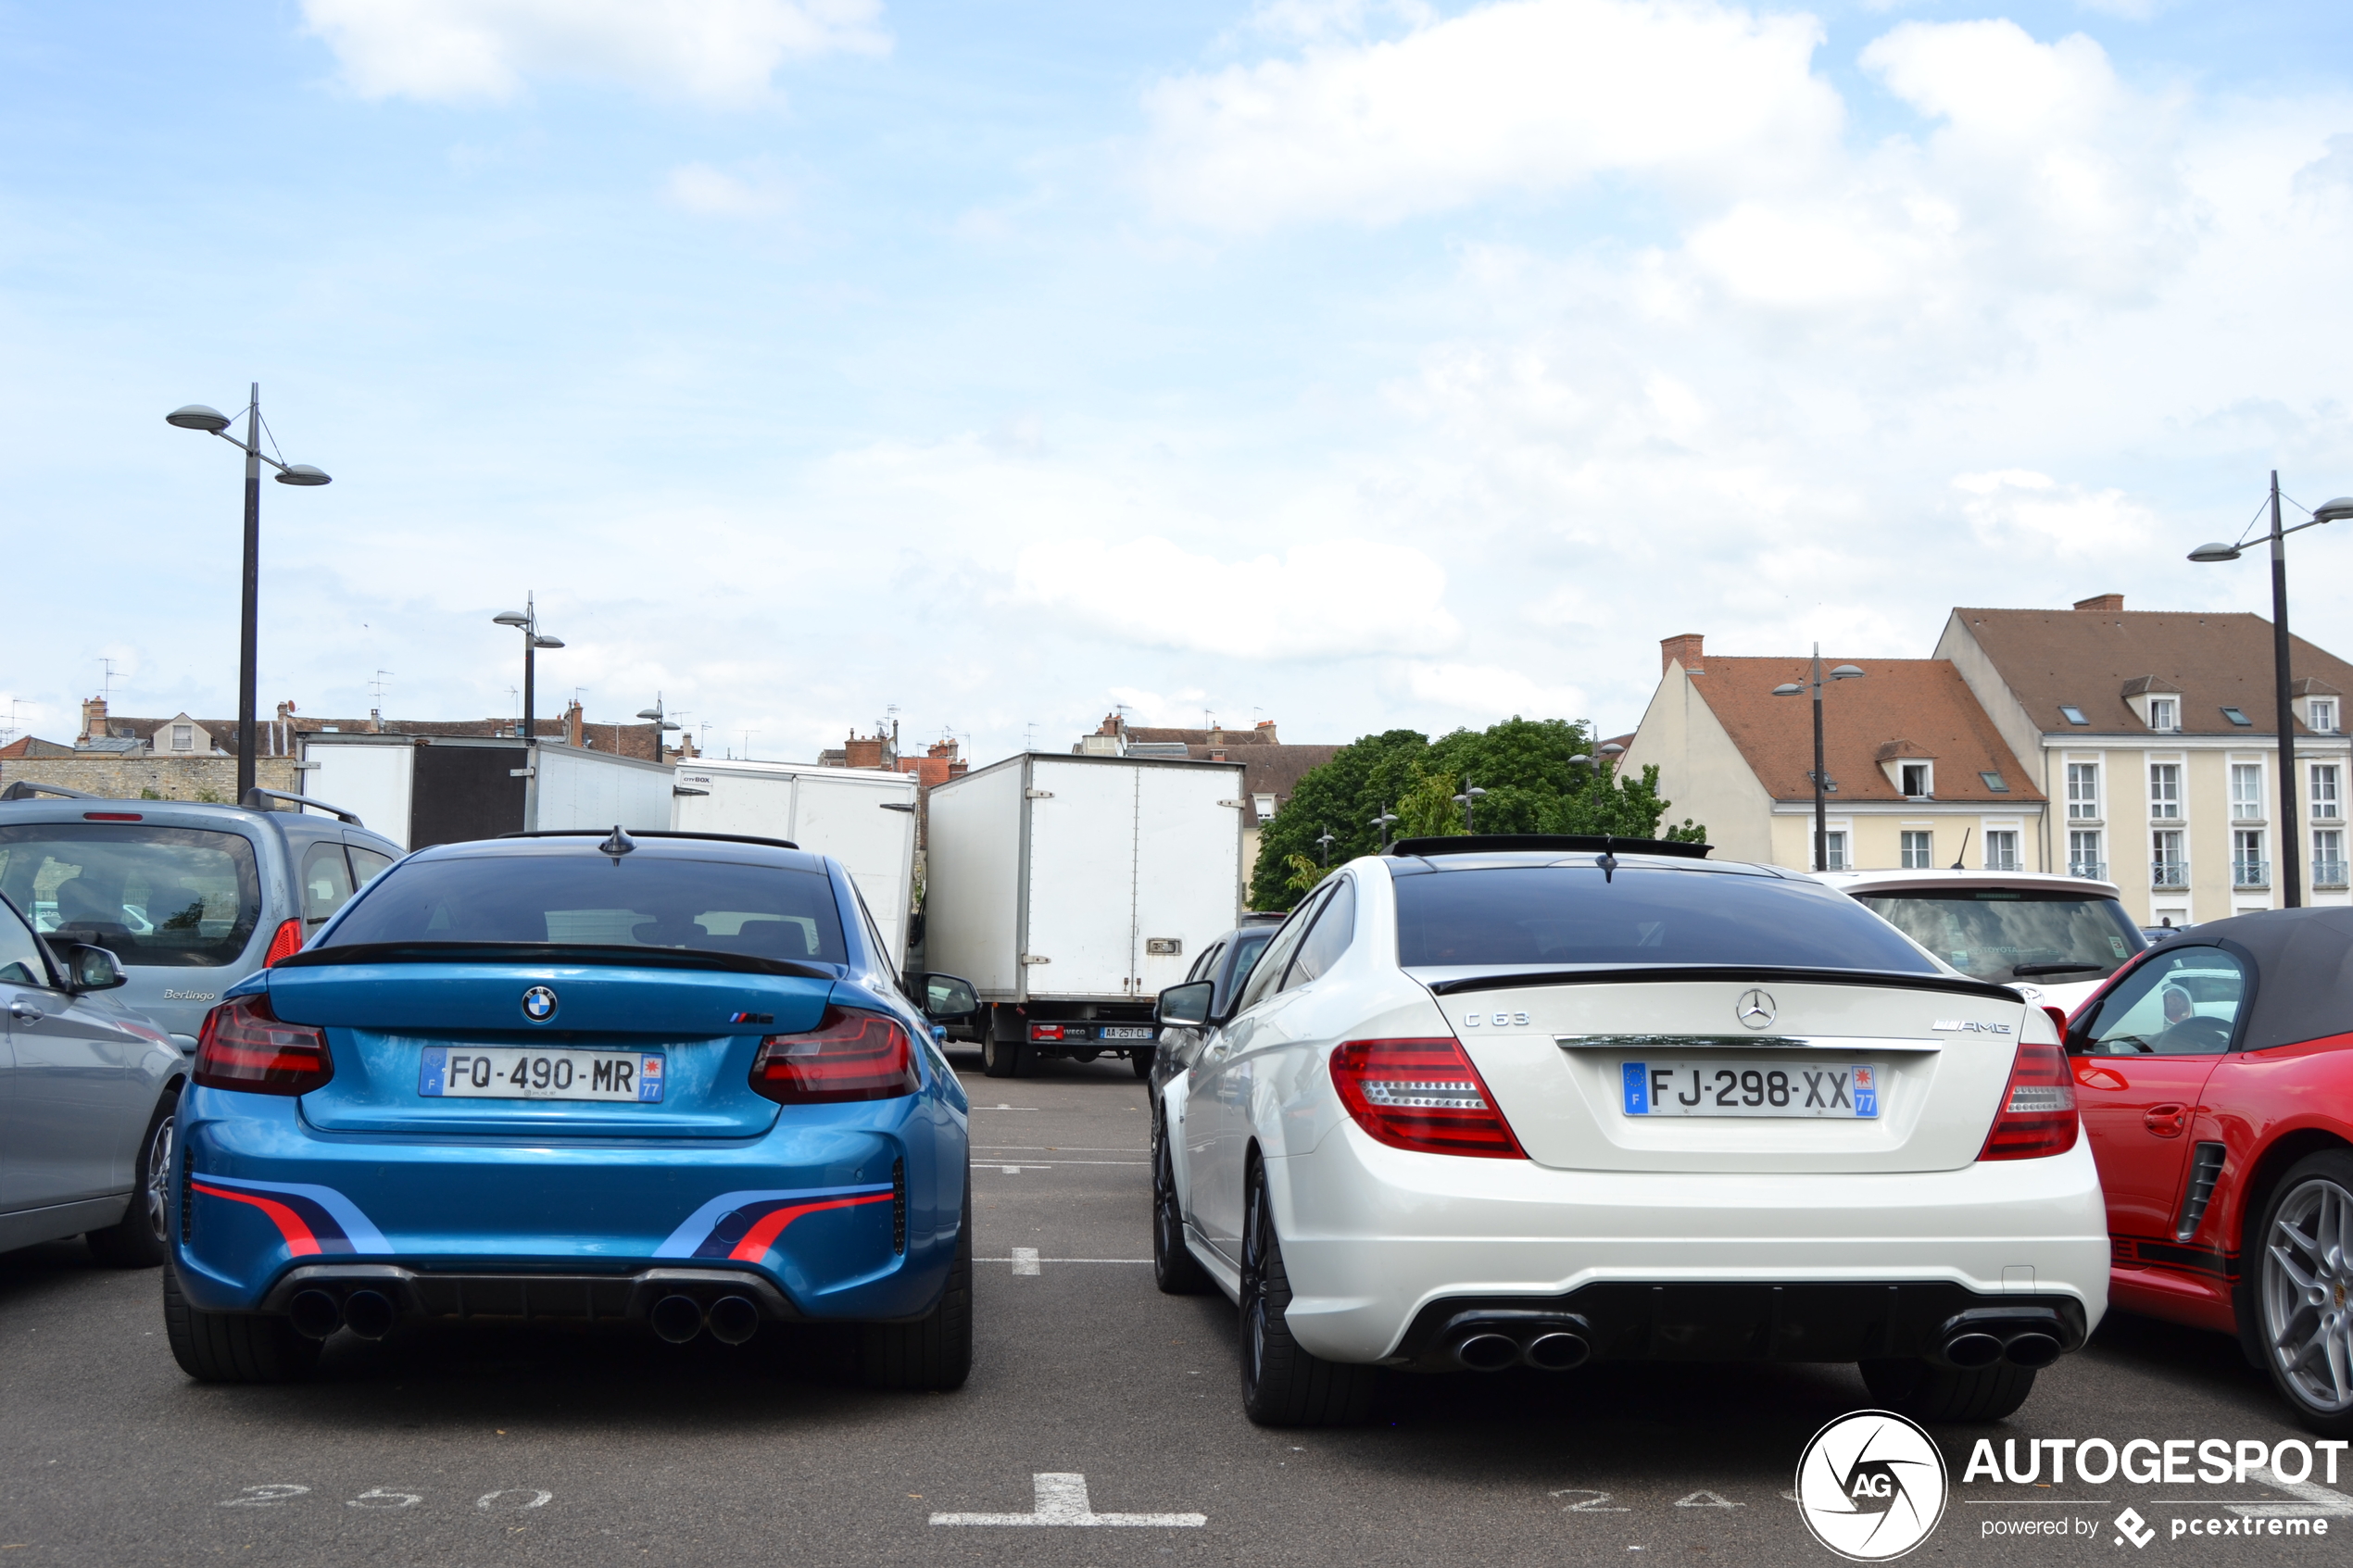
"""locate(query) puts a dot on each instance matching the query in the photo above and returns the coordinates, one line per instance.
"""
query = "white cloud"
(2017, 508)
(1520, 95)
(1489, 693)
(719, 50)
(699, 188)
(1326, 600)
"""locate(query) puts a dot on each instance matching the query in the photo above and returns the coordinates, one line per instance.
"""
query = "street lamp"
(2291, 864)
(526, 620)
(1381, 823)
(1327, 839)
(212, 421)
(1821, 778)
(1464, 799)
(661, 722)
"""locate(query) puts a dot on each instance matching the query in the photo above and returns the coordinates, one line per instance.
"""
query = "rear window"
(698, 906)
(1570, 915)
(2002, 934)
(155, 896)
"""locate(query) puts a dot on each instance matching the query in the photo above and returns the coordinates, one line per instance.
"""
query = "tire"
(1174, 1270)
(142, 1239)
(2301, 1282)
(232, 1347)
(1003, 1058)
(1928, 1392)
(935, 1351)
(1140, 1058)
(1283, 1385)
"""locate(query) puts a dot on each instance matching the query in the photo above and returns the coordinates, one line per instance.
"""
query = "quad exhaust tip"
(734, 1319)
(369, 1313)
(1492, 1349)
(315, 1315)
(677, 1318)
(2026, 1348)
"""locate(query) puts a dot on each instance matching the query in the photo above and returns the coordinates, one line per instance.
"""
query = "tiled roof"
(1920, 701)
(1270, 770)
(2086, 659)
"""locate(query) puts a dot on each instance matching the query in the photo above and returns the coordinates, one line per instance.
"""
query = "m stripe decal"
(300, 1239)
(764, 1234)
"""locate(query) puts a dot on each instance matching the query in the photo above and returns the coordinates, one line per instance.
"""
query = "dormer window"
(2322, 711)
(2073, 714)
(183, 737)
(1916, 779)
(2165, 714)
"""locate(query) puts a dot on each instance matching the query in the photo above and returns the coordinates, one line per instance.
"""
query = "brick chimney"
(574, 723)
(862, 753)
(1266, 732)
(2101, 601)
(1683, 648)
(93, 720)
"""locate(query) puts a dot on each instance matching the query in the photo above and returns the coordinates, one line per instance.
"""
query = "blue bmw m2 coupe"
(666, 1080)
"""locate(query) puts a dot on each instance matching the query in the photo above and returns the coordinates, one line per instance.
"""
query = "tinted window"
(706, 906)
(19, 954)
(1329, 937)
(1278, 950)
(166, 898)
(366, 864)
(1206, 963)
(1991, 932)
(1247, 946)
(326, 882)
(2184, 1003)
(1570, 915)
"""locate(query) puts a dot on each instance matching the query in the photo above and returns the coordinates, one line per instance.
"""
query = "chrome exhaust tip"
(2032, 1350)
(314, 1314)
(677, 1318)
(1558, 1352)
(1972, 1350)
(369, 1314)
(1487, 1351)
(734, 1319)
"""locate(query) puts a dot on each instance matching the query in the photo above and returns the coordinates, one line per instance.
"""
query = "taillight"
(244, 1047)
(1422, 1095)
(286, 944)
(850, 1055)
(2038, 1116)
(1045, 1031)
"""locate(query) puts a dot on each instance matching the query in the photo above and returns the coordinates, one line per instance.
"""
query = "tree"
(1522, 764)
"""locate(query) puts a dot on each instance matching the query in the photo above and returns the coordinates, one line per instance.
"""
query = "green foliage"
(151, 792)
(210, 796)
(1523, 765)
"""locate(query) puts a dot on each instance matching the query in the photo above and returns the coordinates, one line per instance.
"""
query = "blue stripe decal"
(689, 1237)
(357, 1227)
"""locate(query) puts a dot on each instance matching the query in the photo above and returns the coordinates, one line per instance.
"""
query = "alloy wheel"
(158, 1187)
(1253, 1285)
(2308, 1295)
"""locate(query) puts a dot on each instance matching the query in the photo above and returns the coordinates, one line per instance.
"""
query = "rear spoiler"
(1958, 985)
(25, 789)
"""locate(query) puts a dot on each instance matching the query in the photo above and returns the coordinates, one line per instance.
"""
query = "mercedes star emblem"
(539, 1005)
(1755, 1009)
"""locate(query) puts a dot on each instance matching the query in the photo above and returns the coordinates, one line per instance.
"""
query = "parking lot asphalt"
(1093, 1396)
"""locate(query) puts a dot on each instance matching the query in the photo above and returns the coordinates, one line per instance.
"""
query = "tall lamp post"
(1470, 795)
(526, 620)
(661, 722)
(1822, 779)
(212, 421)
(2291, 828)
(1382, 823)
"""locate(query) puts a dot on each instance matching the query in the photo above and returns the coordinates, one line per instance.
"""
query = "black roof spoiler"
(257, 799)
(25, 789)
(655, 832)
(1567, 842)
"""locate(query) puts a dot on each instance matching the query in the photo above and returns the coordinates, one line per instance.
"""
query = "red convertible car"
(2215, 1078)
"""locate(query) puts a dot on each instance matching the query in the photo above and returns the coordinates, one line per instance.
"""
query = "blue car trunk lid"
(393, 1029)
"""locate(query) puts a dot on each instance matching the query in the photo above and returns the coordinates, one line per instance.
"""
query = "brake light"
(1045, 1031)
(1424, 1096)
(850, 1055)
(286, 944)
(2038, 1114)
(244, 1046)
(113, 817)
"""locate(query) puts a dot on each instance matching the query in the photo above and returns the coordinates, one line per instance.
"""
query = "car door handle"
(24, 1012)
(2165, 1120)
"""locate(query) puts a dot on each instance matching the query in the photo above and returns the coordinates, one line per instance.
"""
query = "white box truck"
(1070, 890)
(862, 816)
(442, 789)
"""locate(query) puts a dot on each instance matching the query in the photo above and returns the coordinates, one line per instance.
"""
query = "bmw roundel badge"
(539, 1004)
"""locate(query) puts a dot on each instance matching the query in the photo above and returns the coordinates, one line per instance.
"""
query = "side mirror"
(1185, 1007)
(947, 999)
(91, 968)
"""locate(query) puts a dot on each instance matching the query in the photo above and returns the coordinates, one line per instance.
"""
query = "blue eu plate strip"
(1638, 1087)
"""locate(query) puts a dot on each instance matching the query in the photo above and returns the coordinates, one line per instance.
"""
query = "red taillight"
(2038, 1116)
(286, 944)
(244, 1047)
(850, 1055)
(113, 817)
(1045, 1031)
(1422, 1095)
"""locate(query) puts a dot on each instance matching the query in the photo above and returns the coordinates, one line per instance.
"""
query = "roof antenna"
(1964, 854)
(620, 844)
(1608, 862)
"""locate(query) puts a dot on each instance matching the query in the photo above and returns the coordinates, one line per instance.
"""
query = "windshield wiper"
(2024, 969)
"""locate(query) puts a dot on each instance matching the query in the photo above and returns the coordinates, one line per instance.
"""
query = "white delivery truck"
(862, 816)
(1070, 890)
(442, 789)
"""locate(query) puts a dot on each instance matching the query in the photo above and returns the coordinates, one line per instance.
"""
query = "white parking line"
(1061, 1499)
(1025, 1260)
(1030, 1255)
(1048, 1165)
(2318, 1500)
(1055, 1148)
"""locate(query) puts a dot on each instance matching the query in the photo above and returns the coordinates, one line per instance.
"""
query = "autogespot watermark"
(2289, 1499)
(1870, 1485)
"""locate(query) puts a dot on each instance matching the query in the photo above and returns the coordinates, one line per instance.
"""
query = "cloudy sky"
(1348, 363)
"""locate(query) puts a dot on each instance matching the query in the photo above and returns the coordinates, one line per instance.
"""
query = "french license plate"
(1122, 1031)
(521, 1072)
(1840, 1090)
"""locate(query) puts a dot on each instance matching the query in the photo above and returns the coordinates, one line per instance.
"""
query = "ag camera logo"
(1871, 1486)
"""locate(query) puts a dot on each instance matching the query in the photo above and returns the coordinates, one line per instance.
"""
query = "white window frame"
(2247, 849)
(2164, 792)
(183, 737)
(2012, 838)
(1835, 842)
(1926, 779)
(2319, 715)
(2328, 849)
(2326, 782)
(2085, 849)
(2083, 792)
(2247, 807)
(1917, 850)
(2165, 714)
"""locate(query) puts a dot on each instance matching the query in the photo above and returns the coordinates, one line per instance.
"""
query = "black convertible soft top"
(2303, 970)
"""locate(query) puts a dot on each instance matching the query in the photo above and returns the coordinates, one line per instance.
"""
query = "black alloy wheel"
(1174, 1269)
(142, 1239)
(1282, 1384)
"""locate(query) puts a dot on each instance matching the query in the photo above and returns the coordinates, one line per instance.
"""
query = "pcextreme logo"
(1870, 1485)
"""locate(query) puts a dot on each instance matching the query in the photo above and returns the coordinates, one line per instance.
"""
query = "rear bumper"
(1378, 1243)
(842, 1213)
(451, 1297)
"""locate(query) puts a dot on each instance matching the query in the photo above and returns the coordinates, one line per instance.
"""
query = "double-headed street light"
(1469, 795)
(526, 620)
(1382, 823)
(661, 722)
(212, 421)
(2291, 864)
(1821, 778)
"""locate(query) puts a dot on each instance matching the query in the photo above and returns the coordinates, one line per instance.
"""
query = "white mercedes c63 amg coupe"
(1497, 1101)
